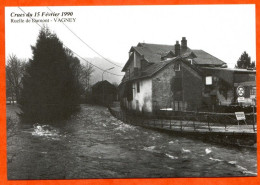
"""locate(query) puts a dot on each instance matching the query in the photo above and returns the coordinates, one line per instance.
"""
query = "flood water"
(93, 144)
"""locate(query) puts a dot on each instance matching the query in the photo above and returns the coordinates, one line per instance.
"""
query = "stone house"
(175, 77)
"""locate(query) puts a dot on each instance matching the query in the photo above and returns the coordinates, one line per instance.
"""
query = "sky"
(224, 31)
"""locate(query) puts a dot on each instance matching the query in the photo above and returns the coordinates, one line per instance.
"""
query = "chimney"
(183, 44)
(177, 48)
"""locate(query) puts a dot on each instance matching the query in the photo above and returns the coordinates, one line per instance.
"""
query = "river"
(94, 144)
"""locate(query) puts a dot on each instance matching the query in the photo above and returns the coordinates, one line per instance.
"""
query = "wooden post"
(170, 123)
(162, 122)
(208, 126)
(181, 124)
(208, 122)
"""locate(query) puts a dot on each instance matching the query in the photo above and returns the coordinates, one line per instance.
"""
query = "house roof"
(204, 58)
(156, 67)
(157, 48)
(149, 71)
(153, 53)
(148, 55)
(102, 83)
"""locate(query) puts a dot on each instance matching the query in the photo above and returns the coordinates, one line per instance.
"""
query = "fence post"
(208, 122)
(181, 124)
(162, 122)
(170, 123)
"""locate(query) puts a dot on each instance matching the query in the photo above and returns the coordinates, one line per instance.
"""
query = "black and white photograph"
(112, 92)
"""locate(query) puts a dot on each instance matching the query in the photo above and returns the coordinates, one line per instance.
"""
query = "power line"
(75, 52)
(86, 43)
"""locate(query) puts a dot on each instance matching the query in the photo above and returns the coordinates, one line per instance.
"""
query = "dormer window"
(177, 67)
(208, 80)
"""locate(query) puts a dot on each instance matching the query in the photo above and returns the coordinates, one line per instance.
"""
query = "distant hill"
(102, 63)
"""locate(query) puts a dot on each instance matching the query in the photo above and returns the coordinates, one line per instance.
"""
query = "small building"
(178, 78)
(104, 93)
(223, 83)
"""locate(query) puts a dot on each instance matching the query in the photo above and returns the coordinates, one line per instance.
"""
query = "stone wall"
(163, 85)
(192, 85)
(161, 88)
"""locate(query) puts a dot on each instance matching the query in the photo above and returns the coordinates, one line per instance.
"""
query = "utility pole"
(103, 84)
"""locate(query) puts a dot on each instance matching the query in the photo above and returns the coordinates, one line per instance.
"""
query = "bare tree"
(86, 72)
(82, 72)
(14, 71)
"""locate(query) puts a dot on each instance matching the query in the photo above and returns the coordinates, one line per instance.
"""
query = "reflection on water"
(93, 144)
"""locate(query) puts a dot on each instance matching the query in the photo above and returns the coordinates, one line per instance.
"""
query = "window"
(208, 80)
(180, 106)
(177, 67)
(190, 60)
(138, 87)
(253, 91)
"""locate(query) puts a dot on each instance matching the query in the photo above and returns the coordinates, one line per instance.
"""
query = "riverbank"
(236, 135)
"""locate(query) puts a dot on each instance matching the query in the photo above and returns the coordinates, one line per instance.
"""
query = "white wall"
(144, 97)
